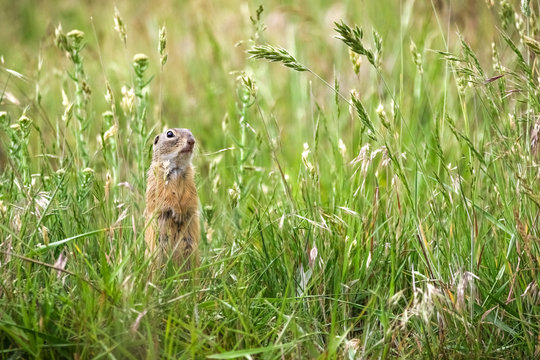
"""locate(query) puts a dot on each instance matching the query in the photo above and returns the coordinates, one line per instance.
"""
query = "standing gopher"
(172, 221)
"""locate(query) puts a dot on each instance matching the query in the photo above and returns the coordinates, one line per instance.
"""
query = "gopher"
(172, 220)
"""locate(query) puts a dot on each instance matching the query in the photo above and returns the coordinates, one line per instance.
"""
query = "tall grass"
(377, 198)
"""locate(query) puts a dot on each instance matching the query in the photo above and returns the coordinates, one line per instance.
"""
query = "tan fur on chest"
(178, 194)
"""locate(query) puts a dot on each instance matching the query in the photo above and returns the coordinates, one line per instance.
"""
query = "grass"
(376, 197)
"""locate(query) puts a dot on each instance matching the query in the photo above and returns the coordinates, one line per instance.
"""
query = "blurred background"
(207, 43)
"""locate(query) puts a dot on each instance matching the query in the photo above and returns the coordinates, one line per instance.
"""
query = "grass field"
(375, 197)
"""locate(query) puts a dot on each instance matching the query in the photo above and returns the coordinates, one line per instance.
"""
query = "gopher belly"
(174, 238)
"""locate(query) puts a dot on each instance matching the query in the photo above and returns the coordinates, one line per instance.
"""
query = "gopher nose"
(191, 141)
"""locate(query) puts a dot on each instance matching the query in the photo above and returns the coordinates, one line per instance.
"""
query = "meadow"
(367, 174)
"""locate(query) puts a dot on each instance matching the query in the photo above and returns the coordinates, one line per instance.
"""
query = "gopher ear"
(156, 140)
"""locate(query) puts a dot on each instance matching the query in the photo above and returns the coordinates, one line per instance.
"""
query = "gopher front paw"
(188, 244)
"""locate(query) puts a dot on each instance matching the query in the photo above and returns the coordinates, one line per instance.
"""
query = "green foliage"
(404, 227)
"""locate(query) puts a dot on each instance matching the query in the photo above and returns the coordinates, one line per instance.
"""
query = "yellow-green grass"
(376, 197)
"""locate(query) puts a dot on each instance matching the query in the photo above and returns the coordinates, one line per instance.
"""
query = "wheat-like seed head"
(273, 54)
(163, 45)
(353, 39)
(119, 26)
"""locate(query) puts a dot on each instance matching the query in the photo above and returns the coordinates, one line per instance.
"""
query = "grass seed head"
(88, 170)
(60, 38)
(506, 13)
(417, 57)
(353, 39)
(163, 45)
(108, 182)
(356, 61)
(234, 194)
(128, 100)
(140, 64)
(342, 148)
(119, 26)
(75, 40)
(382, 115)
(520, 24)
(273, 54)
(305, 159)
(111, 132)
(108, 117)
(68, 113)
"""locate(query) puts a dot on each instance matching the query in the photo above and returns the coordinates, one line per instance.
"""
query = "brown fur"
(173, 228)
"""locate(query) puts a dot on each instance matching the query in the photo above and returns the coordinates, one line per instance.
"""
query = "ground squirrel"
(172, 221)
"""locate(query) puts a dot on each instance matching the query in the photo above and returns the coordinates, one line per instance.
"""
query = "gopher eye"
(170, 134)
